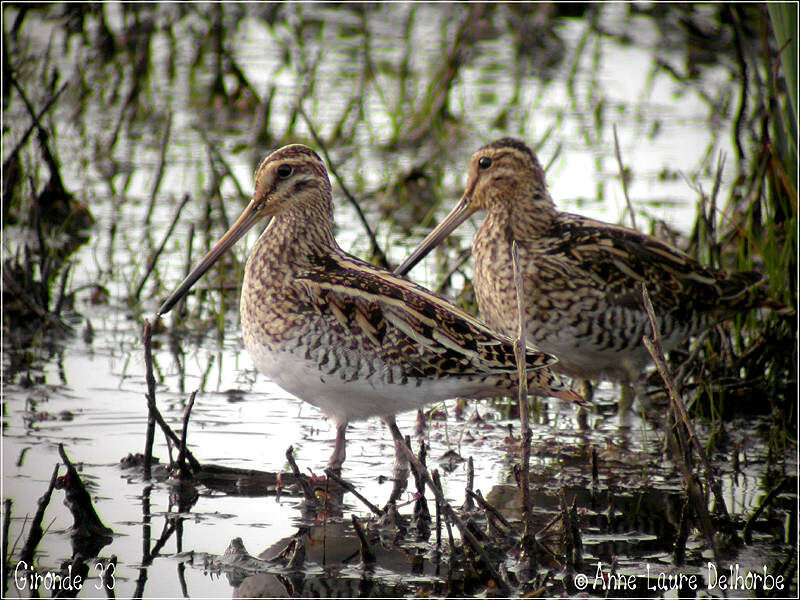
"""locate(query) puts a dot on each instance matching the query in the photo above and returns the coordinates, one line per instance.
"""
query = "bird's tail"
(745, 290)
(543, 381)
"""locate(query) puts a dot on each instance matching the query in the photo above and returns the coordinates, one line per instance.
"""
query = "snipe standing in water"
(582, 278)
(349, 338)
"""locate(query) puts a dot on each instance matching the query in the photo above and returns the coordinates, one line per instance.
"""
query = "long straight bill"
(458, 215)
(243, 224)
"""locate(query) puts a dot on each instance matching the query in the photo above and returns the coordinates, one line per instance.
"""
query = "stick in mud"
(352, 489)
(88, 528)
(182, 469)
(451, 514)
(154, 414)
(421, 512)
(306, 487)
(151, 399)
(367, 555)
(656, 352)
(468, 505)
(437, 481)
(490, 510)
(692, 484)
(520, 345)
(679, 548)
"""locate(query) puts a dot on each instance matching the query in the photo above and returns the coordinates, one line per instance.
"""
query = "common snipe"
(349, 338)
(582, 278)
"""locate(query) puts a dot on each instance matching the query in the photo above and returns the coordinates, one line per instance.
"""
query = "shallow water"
(89, 392)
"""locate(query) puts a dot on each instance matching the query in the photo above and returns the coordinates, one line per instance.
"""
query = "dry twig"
(451, 514)
(182, 452)
(657, 353)
(351, 488)
(151, 399)
(308, 493)
(683, 429)
(520, 346)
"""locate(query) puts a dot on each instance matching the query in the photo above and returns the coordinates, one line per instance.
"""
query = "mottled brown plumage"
(350, 338)
(582, 278)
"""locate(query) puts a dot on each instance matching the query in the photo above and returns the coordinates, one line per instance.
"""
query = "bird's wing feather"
(623, 258)
(408, 326)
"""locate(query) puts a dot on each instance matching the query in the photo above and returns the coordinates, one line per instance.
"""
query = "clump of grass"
(755, 356)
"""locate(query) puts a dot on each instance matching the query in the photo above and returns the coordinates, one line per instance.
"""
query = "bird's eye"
(485, 162)
(284, 171)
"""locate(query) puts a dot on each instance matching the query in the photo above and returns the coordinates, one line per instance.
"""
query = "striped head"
(289, 177)
(506, 181)
(505, 173)
(292, 182)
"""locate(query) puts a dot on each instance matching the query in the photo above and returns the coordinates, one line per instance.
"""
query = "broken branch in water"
(367, 555)
(304, 484)
(683, 429)
(88, 534)
(36, 532)
(184, 472)
(520, 346)
(351, 488)
(451, 514)
(151, 399)
(154, 416)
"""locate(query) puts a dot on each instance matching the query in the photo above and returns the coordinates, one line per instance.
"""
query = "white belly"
(345, 398)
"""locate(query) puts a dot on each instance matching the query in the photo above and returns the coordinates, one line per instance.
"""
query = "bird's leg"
(336, 460)
(585, 389)
(626, 397)
(401, 468)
